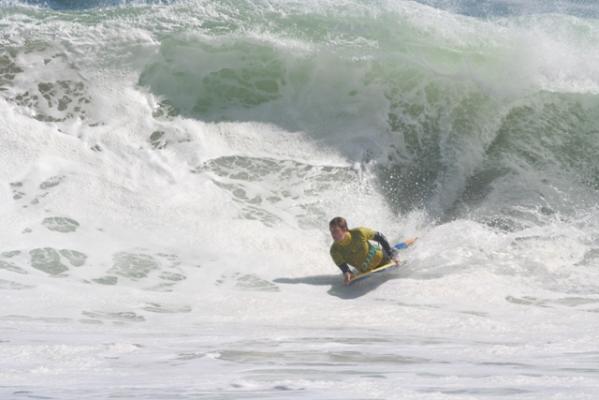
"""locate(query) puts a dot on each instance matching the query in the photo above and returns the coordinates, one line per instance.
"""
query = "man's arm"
(340, 262)
(380, 238)
(344, 268)
(347, 274)
(369, 234)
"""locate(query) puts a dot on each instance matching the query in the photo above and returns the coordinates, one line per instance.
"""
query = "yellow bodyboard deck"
(363, 275)
(392, 264)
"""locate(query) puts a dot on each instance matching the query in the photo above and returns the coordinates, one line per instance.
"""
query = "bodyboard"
(392, 264)
(363, 275)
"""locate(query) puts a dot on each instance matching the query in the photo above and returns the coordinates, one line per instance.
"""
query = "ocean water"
(168, 170)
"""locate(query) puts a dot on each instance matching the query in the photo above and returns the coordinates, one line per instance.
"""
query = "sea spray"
(169, 170)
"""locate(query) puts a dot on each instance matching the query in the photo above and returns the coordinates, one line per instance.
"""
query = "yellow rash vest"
(356, 250)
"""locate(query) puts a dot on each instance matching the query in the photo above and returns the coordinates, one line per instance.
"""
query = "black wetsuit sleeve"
(379, 237)
(344, 268)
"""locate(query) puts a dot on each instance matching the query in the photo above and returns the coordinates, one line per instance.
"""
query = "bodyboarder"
(353, 247)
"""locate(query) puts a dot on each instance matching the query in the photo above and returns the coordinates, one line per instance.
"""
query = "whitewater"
(168, 170)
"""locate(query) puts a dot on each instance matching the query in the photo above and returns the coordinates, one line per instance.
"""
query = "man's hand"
(395, 256)
(347, 277)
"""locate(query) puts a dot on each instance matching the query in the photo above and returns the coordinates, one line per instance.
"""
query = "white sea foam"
(158, 241)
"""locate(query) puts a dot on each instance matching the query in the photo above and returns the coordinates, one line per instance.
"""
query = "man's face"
(337, 233)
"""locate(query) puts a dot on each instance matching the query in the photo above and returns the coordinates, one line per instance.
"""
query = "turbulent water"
(168, 170)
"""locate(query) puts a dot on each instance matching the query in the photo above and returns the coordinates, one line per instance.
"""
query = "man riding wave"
(354, 247)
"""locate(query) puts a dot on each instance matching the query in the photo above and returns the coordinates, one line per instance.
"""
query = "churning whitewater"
(168, 170)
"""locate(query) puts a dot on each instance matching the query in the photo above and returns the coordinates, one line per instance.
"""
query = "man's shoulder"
(362, 231)
(334, 247)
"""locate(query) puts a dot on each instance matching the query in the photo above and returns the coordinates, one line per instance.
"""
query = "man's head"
(338, 228)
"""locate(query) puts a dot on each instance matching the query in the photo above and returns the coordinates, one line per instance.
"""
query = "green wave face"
(454, 103)
(455, 110)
